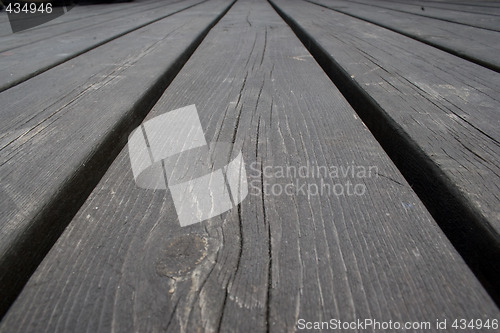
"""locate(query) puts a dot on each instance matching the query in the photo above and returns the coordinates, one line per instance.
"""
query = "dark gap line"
(457, 53)
(467, 229)
(90, 48)
(31, 247)
(445, 8)
(69, 31)
(373, 4)
(470, 3)
(52, 24)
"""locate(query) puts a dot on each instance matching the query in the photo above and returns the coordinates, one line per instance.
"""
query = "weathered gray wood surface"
(77, 18)
(125, 264)
(436, 113)
(466, 6)
(24, 62)
(77, 13)
(488, 22)
(474, 3)
(473, 44)
(62, 128)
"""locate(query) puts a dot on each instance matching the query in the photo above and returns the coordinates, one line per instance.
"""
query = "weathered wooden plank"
(20, 64)
(489, 22)
(436, 114)
(65, 126)
(78, 13)
(466, 6)
(473, 44)
(484, 3)
(474, 3)
(77, 18)
(276, 258)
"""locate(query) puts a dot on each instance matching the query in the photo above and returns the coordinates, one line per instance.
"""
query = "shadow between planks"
(125, 264)
(54, 45)
(445, 144)
(470, 43)
(488, 22)
(56, 151)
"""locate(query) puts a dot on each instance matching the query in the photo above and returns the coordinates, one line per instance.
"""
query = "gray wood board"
(489, 22)
(73, 21)
(20, 64)
(125, 264)
(442, 107)
(475, 3)
(468, 6)
(61, 129)
(77, 13)
(473, 44)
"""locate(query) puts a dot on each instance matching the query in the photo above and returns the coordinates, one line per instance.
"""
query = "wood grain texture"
(488, 22)
(473, 44)
(438, 115)
(21, 63)
(125, 264)
(77, 18)
(63, 128)
(77, 13)
(464, 6)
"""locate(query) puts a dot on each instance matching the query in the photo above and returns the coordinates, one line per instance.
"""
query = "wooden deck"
(409, 90)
